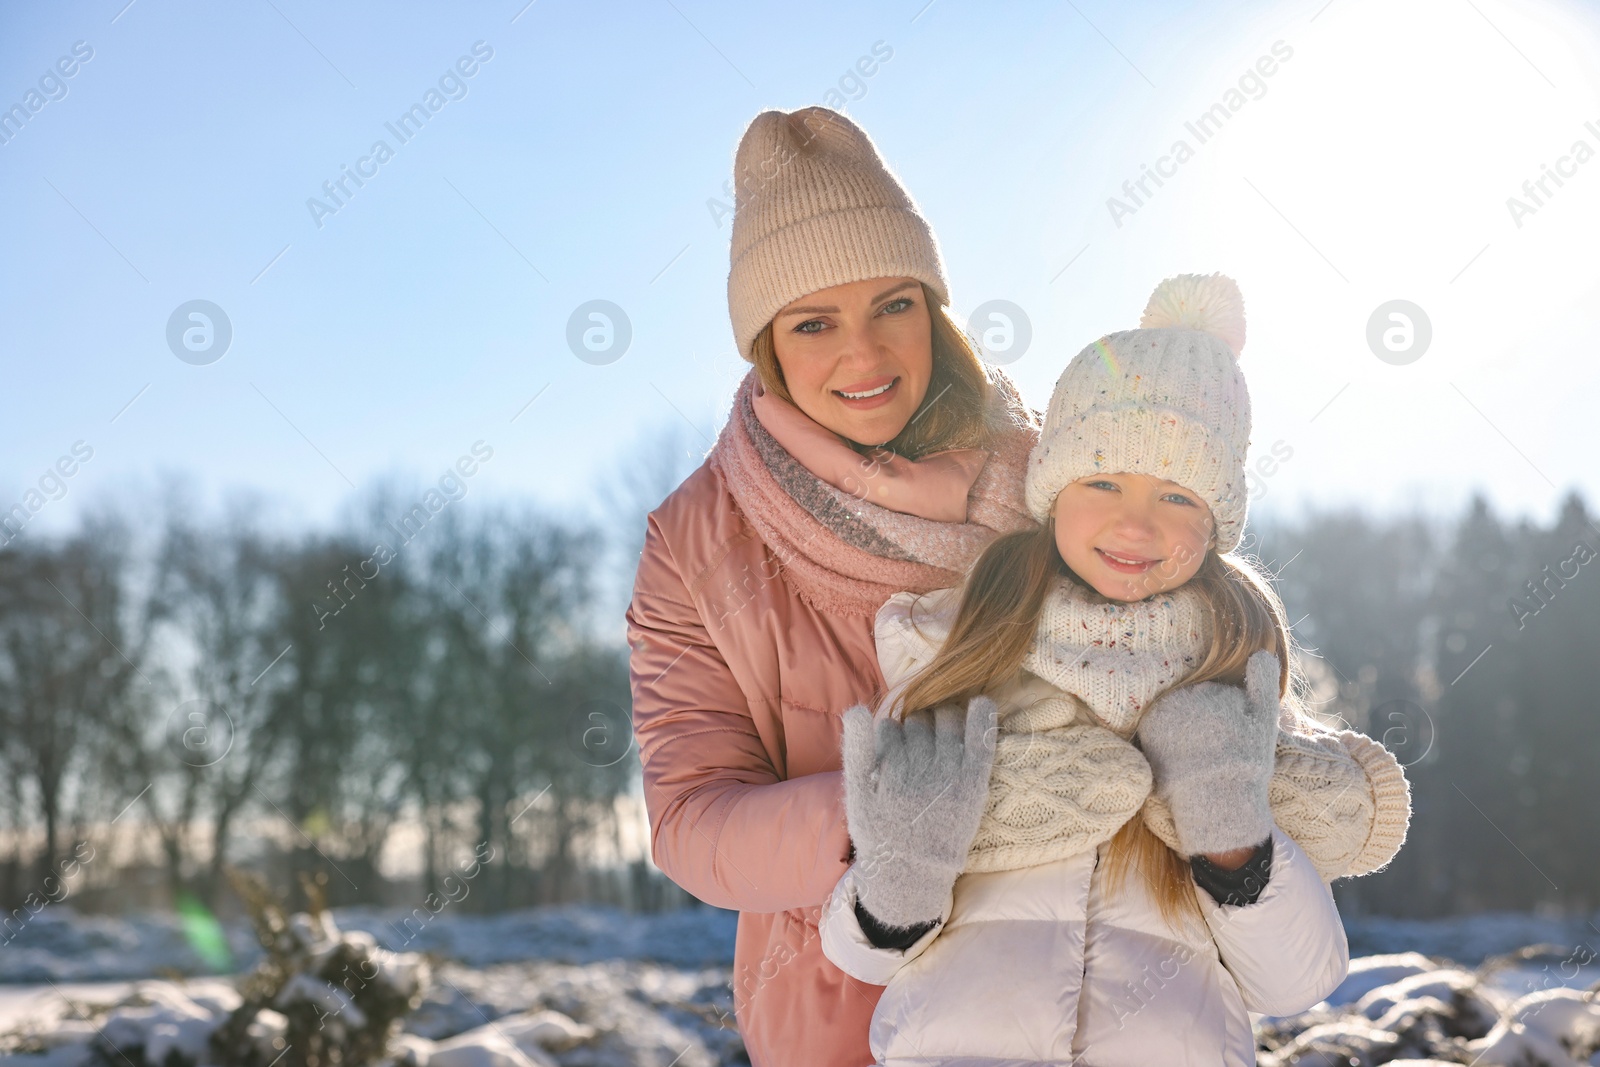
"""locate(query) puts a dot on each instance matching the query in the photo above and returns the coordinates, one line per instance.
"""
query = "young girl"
(1024, 882)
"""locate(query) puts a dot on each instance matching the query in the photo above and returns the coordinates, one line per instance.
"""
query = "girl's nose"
(1136, 523)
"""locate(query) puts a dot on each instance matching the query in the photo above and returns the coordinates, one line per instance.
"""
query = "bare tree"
(512, 591)
(207, 754)
(74, 655)
(657, 462)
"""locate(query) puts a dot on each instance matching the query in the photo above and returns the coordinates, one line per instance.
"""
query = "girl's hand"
(1231, 860)
(1211, 750)
(915, 792)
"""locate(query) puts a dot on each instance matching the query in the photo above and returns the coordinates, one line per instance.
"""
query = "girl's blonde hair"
(995, 626)
(958, 410)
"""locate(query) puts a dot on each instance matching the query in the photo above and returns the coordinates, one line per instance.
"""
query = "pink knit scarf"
(934, 487)
(846, 556)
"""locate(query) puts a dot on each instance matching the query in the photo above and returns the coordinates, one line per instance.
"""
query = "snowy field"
(596, 987)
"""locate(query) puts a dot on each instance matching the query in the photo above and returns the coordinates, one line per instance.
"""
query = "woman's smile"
(873, 393)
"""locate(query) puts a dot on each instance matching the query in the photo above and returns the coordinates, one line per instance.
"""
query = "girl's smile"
(1128, 564)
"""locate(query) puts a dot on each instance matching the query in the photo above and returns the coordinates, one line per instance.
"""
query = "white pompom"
(1209, 302)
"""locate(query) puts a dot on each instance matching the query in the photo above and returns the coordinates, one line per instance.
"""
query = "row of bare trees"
(449, 682)
(185, 682)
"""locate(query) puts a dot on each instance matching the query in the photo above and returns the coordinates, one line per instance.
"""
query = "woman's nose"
(855, 347)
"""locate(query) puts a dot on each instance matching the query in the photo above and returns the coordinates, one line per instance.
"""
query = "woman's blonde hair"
(958, 410)
(995, 626)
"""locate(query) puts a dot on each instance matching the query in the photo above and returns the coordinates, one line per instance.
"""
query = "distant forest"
(1473, 653)
(188, 679)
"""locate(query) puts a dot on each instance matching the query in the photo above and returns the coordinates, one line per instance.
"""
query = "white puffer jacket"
(1037, 966)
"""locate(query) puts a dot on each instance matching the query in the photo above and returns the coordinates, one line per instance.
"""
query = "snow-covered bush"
(1409, 1009)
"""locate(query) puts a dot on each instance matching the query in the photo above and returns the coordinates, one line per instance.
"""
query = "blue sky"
(581, 161)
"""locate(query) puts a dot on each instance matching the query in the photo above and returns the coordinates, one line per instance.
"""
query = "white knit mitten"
(914, 793)
(1211, 752)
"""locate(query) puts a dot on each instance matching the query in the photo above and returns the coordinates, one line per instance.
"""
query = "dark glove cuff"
(1236, 887)
(884, 936)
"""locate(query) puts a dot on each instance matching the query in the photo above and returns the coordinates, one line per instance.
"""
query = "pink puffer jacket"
(738, 691)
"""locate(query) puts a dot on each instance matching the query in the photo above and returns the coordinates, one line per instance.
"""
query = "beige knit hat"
(1167, 399)
(816, 206)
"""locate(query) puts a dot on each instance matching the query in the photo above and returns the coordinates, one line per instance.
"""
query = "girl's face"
(1131, 536)
(857, 357)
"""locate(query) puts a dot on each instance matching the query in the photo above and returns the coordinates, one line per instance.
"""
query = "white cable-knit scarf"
(1066, 776)
(1116, 656)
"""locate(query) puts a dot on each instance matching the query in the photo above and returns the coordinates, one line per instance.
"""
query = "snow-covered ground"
(589, 986)
(60, 945)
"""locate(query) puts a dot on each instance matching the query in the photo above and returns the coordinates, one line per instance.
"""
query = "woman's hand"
(914, 796)
(1211, 750)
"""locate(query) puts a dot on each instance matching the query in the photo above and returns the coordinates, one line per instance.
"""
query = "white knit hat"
(1167, 399)
(816, 206)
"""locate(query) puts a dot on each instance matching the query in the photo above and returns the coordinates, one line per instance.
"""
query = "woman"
(751, 624)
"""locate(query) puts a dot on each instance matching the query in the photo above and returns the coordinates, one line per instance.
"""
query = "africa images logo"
(1205, 126)
(451, 86)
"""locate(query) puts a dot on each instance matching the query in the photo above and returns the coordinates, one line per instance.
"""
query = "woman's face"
(857, 357)
(1131, 536)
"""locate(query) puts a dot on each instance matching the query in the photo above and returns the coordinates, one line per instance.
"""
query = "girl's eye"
(1100, 483)
(1179, 498)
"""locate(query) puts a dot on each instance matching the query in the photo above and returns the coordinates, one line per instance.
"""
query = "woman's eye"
(809, 322)
(894, 307)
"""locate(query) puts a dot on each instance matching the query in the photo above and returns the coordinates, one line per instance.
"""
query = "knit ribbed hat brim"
(816, 206)
(843, 246)
(1166, 400)
(1163, 442)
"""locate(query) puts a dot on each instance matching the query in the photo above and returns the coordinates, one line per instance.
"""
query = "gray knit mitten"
(913, 801)
(1211, 749)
